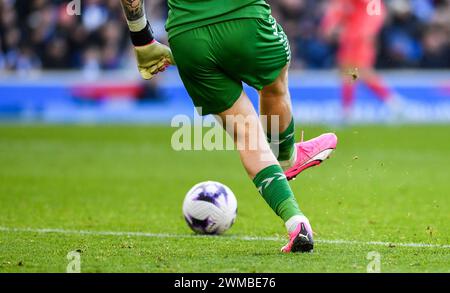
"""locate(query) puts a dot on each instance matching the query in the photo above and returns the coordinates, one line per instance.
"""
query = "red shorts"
(358, 42)
(357, 51)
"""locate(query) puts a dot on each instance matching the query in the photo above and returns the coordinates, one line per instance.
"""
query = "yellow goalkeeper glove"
(152, 57)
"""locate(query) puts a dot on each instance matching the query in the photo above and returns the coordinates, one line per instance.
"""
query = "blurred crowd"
(416, 33)
(43, 34)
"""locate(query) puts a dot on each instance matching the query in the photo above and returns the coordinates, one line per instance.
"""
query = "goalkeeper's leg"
(275, 99)
(294, 158)
(241, 122)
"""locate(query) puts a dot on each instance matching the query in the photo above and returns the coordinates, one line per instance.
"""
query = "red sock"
(379, 88)
(348, 95)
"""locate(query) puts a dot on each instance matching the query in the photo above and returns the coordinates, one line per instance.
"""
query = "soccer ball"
(210, 208)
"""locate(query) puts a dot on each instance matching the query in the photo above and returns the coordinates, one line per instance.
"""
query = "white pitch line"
(236, 237)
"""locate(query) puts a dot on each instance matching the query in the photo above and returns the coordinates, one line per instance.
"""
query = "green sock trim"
(286, 142)
(274, 188)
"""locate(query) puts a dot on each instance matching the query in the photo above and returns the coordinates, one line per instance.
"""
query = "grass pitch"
(387, 184)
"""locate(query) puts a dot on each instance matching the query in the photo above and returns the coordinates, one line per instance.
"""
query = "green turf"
(387, 184)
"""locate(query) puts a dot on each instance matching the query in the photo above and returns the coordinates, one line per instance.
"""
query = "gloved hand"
(153, 58)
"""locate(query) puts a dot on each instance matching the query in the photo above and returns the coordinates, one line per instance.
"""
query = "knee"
(276, 90)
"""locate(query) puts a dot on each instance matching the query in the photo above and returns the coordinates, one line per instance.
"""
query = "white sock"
(293, 222)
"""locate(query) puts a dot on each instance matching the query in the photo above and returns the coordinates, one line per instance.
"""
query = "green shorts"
(214, 60)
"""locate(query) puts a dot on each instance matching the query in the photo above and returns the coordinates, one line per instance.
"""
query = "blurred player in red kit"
(357, 24)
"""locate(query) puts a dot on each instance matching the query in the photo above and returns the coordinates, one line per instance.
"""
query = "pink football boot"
(301, 239)
(310, 153)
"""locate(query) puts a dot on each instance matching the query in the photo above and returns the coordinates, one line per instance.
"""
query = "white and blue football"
(210, 208)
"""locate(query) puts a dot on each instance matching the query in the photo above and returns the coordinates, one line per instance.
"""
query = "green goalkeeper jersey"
(185, 15)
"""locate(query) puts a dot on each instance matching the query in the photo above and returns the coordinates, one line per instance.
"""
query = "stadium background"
(86, 164)
(55, 67)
